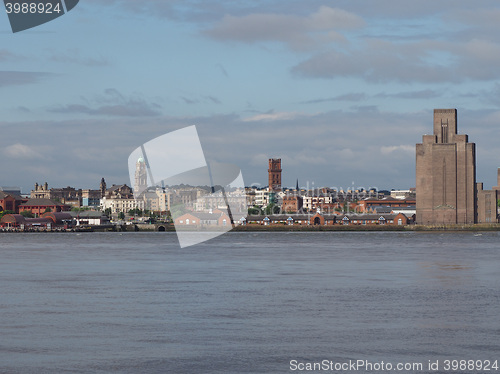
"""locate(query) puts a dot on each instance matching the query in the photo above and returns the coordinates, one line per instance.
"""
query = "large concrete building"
(447, 192)
(446, 174)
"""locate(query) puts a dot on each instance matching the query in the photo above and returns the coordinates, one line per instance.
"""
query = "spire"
(297, 187)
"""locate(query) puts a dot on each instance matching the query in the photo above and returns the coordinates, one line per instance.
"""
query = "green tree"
(136, 211)
(272, 209)
(27, 214)
(121, 215)
(47, 210)
(254, 211)
(4, 212)
(107, 212)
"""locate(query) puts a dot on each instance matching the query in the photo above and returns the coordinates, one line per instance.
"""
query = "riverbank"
(278, 228)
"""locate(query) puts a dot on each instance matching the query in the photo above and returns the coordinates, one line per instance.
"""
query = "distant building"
(274, 174)
(195, 220)
(11, 190)
(10, 202)
(47, 221)
(89, 218)
(141, 177)
(487, 202)
(369, 205)
(120, 198)
(402, 194)
(68, 195)
(292, 203)
(446, 174)
(41, 206)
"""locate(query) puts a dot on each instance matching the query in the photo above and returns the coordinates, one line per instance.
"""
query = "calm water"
(244, 302)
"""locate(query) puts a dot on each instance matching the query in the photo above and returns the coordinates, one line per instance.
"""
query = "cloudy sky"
(341, 91)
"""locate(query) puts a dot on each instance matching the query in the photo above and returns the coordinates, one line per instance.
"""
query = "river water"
(245, 302)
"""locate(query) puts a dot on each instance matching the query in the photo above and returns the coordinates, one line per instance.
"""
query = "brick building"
(274, 174)
(10, 202)
(292, 203)
(41, 206)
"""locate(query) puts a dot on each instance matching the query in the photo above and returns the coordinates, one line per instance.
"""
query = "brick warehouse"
(447, 192)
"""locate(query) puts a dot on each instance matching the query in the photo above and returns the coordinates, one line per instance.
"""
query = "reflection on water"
(244, 302)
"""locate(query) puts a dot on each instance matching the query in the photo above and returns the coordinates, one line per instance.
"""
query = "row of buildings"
(446, 193)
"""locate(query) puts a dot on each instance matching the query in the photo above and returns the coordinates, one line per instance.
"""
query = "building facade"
(446, 174)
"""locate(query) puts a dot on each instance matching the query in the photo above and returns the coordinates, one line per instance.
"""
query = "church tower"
(446, 174)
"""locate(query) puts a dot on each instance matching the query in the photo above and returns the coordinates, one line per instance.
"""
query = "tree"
(107, 212)
(121, 215)
(136, 211)
(4, 212)
(47, 210)
(27, 214)
(272, 209)
(254, 211)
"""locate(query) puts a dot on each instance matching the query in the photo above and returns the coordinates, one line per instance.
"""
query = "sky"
(340, 91)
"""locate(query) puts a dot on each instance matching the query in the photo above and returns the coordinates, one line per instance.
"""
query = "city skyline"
(341, 93)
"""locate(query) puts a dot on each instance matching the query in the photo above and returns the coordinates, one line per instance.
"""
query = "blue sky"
(341, 91)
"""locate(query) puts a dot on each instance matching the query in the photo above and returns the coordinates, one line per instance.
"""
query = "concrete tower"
(446, 174)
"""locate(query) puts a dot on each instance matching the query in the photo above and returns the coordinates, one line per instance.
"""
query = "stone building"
(446, 174)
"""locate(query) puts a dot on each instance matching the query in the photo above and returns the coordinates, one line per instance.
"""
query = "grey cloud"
(189, 101)
(15, 78)
(74, 57)
(131, 109)
(347, 97)
(213, 99)
(382, 61)
(223, 70)
(199, 99)
(116, 105)
(6, 55)
(299, 32)
(422, 94)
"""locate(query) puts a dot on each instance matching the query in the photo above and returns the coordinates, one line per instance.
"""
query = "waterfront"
(244, 302)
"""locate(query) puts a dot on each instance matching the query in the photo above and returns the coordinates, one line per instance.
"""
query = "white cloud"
(21, 151)
(397, 148)
(281, 116)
